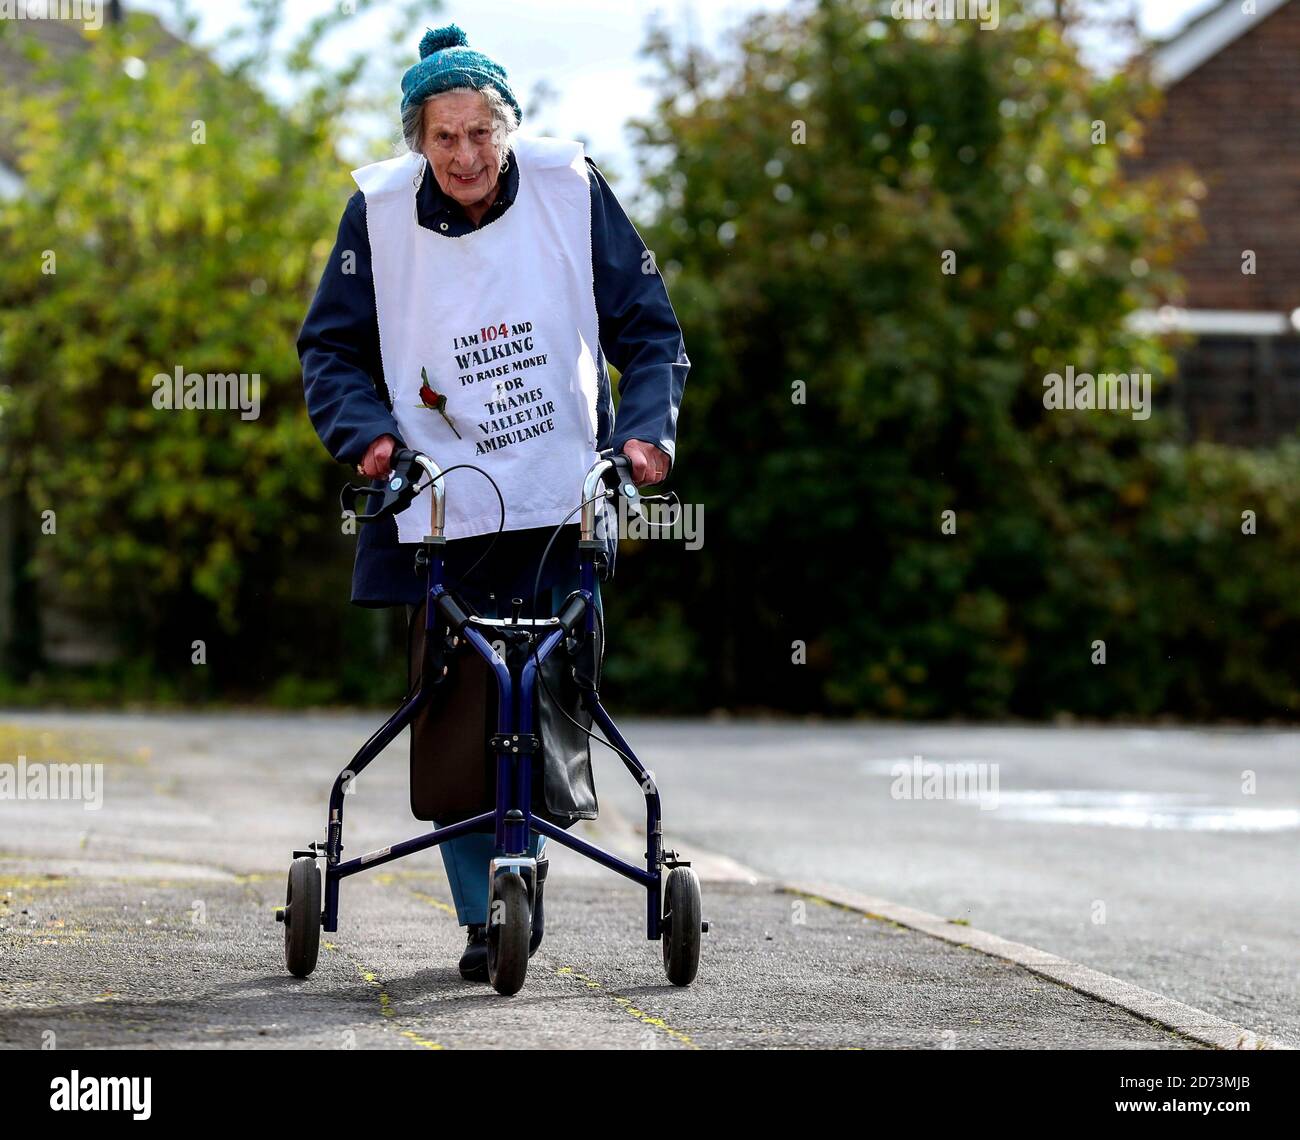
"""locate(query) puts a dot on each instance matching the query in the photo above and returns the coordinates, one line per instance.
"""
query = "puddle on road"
(1141, 810)
(890, 767)
(1105, 808)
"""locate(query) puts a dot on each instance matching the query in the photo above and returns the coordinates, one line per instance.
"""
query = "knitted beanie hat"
(447, 61)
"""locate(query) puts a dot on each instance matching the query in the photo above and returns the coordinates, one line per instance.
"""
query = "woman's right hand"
(377, 461)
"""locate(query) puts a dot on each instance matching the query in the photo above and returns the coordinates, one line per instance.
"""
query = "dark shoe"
(535, 939)
(473, 963)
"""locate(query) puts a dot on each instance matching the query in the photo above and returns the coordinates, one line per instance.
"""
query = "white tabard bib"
(503, 321)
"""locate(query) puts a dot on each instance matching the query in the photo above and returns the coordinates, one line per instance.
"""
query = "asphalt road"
(149, 920)
(1133, 851)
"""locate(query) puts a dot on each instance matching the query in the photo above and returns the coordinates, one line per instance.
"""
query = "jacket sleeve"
(342, 372)
(639, 333)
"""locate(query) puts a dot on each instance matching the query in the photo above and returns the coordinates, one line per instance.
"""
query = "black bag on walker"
(453, 769)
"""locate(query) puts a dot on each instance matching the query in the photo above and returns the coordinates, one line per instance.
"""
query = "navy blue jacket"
(350, 406)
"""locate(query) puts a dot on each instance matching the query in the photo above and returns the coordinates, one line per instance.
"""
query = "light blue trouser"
(467, 859)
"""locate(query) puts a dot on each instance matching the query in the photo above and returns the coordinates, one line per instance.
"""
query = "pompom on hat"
(447, 61)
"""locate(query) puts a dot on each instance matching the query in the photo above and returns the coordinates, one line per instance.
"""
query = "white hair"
(505, 121)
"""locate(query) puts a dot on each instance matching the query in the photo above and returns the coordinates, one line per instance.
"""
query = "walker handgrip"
(572, 612)
(623, 465)
(621, 476)
(455, 617)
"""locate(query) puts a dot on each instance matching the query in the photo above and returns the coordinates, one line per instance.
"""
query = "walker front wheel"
(301, 917)
(510, 925)
(682, 926)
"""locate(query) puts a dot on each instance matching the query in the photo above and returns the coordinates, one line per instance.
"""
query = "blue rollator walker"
(672, 901)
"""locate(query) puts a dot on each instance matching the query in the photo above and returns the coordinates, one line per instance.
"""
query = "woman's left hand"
(649, 464)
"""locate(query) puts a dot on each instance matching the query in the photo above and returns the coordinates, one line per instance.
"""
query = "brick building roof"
(1232, 114)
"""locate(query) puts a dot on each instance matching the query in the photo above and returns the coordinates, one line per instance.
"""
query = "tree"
(175, 219)
(882, 236)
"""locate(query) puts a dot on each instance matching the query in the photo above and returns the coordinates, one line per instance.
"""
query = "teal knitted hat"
(447, 61)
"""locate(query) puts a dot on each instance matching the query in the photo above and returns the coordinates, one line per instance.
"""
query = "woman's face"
(458, 145)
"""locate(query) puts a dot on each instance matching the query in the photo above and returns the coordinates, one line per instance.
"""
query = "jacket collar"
(432, 206)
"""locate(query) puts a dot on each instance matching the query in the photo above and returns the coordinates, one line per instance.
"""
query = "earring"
(418, 180)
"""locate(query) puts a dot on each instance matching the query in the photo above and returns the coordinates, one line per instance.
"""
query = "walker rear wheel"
(510, 926)
(301, 917)
(682, 926)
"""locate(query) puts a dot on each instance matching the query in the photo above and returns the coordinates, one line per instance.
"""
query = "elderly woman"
(477, 288)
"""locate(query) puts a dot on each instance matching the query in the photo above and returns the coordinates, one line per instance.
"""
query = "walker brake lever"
(397, 492)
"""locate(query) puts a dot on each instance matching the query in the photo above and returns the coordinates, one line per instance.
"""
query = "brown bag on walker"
(453, 769)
